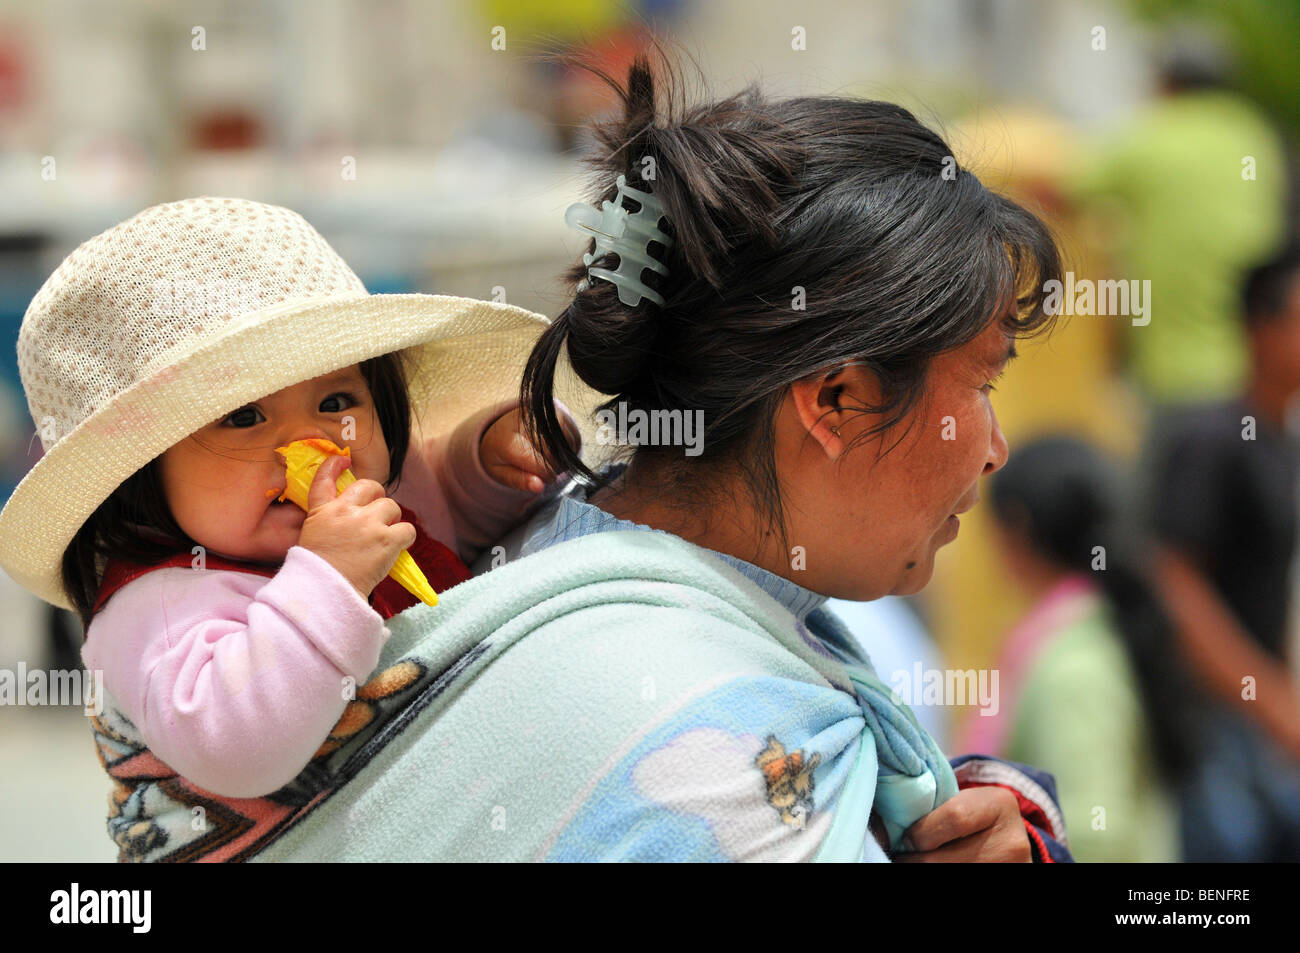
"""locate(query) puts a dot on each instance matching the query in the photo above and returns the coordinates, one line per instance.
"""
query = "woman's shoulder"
(1089, 637)
(564, 517)
(624, 601)
(582, 537)
(678, 637)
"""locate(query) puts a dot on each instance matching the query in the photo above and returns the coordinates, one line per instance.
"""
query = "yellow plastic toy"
(302, 459)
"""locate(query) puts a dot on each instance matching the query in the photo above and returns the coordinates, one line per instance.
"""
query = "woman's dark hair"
(806, 232)
(141, 500)
(1066, 498)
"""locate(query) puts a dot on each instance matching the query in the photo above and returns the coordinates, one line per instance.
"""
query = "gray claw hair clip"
(626, 234)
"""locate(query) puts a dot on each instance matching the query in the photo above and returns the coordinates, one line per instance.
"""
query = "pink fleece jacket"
(234, 680)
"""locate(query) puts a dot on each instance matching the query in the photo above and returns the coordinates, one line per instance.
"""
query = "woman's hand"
(977, 825)
(510, 459)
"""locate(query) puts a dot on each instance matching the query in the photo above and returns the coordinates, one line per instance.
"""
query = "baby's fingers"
(323, 487)
(515, 451)
(403, 534)
(515, 478)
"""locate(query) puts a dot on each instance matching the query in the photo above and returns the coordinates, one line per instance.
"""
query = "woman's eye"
(989, 388)
(341, 395)
(243, 417)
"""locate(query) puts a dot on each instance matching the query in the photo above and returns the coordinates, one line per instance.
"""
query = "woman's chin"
(915, 577)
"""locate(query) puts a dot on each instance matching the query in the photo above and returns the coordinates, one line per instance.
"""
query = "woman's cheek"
(982, 439)
(972, 438)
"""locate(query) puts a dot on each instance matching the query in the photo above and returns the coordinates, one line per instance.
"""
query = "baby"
(230, 627)
(204, 662)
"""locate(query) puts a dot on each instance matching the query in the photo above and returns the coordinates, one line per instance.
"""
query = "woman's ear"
(829, 401)
(818, 406)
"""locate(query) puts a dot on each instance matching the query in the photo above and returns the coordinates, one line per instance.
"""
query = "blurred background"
(1158, 137)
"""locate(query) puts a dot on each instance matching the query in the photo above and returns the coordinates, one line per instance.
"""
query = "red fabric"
(440, 565)
(1036, 841)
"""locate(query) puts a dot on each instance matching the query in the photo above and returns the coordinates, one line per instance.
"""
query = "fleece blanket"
(621, 696)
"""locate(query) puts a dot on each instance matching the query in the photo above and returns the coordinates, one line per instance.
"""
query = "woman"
(647, 673)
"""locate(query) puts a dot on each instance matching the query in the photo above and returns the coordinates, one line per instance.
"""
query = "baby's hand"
(509, 457)
(359, 532)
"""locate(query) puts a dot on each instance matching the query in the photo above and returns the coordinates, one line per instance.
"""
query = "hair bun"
(716, 168)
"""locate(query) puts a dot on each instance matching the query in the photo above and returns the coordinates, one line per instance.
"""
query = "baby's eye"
(344, 395)
(240, 418)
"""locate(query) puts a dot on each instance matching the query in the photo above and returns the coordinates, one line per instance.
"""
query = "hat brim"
(464, 354)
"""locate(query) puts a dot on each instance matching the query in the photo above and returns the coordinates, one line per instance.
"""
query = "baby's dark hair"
(116, 527)
(848, 207)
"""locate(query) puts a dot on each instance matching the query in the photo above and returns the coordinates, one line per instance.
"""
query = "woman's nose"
(998, 449)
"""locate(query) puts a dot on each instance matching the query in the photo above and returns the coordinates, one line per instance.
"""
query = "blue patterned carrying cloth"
(625, 695)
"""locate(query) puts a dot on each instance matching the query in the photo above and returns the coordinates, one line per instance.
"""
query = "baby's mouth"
(285, 511)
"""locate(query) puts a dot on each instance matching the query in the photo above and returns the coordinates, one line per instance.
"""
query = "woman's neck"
(723, 524)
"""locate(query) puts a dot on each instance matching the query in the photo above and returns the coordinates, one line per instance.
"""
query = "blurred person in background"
(1090, 685)
(1222, 498)
(1199, 182)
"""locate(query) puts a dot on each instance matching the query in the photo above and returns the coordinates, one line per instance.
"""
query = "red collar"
(441, 565)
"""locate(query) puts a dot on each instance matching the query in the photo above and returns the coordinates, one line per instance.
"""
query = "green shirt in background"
(1195, 220)
(1080, 716)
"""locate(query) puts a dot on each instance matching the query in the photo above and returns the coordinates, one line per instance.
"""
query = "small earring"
(836, 431)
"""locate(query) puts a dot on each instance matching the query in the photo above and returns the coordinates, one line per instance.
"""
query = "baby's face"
(216, 479)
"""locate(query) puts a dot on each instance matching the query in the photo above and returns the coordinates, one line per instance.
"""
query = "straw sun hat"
(187, 311)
